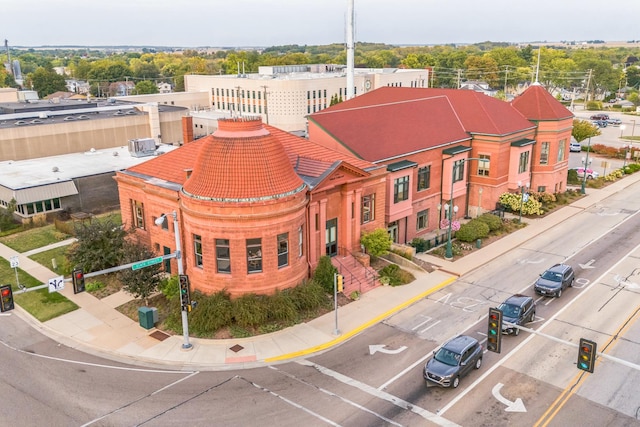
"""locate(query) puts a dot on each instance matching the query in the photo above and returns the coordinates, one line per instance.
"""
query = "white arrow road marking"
(517, 406)
(587, 265)
(631, 285)
(382, 349)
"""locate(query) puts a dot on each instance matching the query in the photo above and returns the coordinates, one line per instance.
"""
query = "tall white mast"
(350, 49)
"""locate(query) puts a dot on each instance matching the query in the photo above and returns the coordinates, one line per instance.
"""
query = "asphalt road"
(355, 384)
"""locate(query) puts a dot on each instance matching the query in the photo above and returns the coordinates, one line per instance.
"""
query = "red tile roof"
(392, 121)
(242, 161)
(536, 103)
(302, 157)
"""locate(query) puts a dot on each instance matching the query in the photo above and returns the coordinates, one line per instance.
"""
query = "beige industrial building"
(284, 95)
(62, 154)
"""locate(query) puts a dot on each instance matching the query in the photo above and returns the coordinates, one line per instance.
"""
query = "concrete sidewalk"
(97, 328)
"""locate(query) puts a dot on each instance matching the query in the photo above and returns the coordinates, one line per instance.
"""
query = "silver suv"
(455, 359)
(517, 309)
(553, 281)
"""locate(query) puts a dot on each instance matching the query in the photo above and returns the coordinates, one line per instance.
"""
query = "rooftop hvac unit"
(142, 147)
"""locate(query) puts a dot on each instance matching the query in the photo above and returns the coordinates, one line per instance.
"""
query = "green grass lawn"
(40, 304)
(44, 258)
(33, 238)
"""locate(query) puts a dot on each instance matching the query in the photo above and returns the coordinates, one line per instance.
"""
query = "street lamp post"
(449, 250)
(523, 199)
(586, 165)
(186, 345)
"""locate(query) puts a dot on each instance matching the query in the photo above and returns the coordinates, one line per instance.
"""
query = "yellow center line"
(575, 383)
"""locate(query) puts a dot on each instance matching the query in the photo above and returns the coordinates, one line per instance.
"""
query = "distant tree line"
(501, 65)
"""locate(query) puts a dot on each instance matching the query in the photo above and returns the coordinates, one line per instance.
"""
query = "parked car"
(600, 116)
(575, 147)
(518, 309)
(556, 279)
(591, 174)
(614, 122)
(453, 360)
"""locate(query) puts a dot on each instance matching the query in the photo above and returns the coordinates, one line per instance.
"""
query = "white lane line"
(330, 393)
(292, 403)
(430, 416)
(96, 365)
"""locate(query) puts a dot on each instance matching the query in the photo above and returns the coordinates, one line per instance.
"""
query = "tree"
(377, 243)
(633, 76)
(582, 129)
(6, 215)
(140, 283)
(46, 82)
(324, 273)
(100, 246)
(146, 87)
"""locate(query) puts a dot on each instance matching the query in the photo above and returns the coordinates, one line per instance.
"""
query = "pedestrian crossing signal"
(6, 298)
(340, 282)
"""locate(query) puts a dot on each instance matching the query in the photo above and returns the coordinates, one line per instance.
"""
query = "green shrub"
(281, 308)
(212, 313)
(169, 287)
(493, 221)
(513, 201)
(393, 275)
(419, 243)
(324, 273)
(377, 243)
(472, 230)
(250, 310)
(390, 274)
(309, 295)
(94, 286)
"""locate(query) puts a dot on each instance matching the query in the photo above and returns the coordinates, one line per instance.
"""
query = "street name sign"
(146, 263)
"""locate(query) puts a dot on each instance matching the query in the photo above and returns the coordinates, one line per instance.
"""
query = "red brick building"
(435, 142)
(256, 207)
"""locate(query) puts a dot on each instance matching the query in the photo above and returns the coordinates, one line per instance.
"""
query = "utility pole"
(459, 77)
(586, 96)
(506, 73)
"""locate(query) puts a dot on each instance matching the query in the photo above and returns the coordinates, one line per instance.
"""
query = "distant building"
(164, 87)
(284, 95)
(37, 136)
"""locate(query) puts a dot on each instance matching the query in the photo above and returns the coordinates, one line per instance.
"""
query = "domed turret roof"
(242, 162)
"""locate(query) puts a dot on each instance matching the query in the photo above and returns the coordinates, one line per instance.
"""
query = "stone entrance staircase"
(357, 277)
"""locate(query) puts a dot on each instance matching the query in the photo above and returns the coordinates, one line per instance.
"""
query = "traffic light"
(77, 277)
(340, 282)
(6, 298)
(587, 355)
(185, 298)
(494, 331)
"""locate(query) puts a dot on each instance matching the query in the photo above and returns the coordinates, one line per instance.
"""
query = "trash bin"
(145, 315)
(479, 243)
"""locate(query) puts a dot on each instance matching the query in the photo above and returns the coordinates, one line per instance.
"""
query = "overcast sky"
(238, 23)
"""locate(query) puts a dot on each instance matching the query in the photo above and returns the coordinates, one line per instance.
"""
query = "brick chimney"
(187, 129)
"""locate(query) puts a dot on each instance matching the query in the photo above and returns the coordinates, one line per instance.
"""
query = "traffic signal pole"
(577, 345)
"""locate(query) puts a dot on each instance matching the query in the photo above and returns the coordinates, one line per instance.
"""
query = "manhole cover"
(236, 348)
(159, 335)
